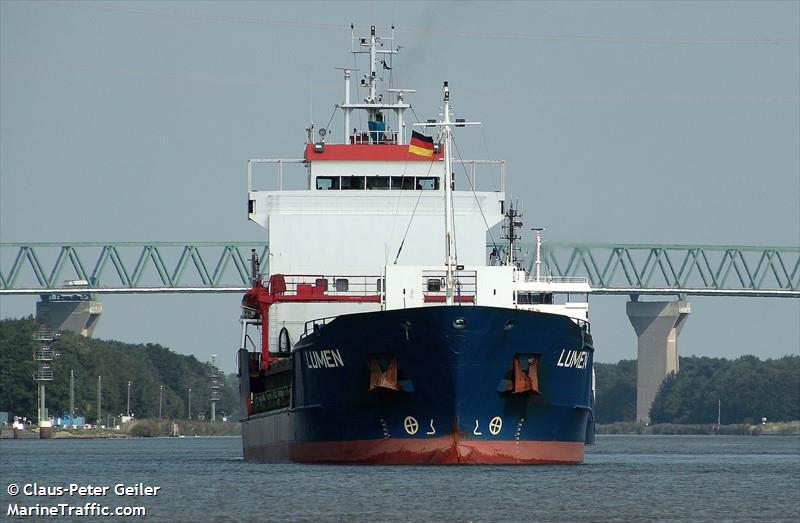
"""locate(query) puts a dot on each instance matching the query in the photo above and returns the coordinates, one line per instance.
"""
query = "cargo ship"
(392, 328)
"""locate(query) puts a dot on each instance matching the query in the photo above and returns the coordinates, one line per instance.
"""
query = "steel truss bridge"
(217, 267)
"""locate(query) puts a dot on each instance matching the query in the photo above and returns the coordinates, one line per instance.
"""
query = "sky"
(621, 122)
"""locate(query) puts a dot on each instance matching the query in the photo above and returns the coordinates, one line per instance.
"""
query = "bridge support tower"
(76, 312)
(657, 325)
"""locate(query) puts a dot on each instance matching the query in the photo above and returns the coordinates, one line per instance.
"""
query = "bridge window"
(352, 183)
(326, 183)
(578, 297)
(357, 183)
(534, 298)
(378, 182)
(434, 285)
(405, 183)
(427, 183)
(341, 284)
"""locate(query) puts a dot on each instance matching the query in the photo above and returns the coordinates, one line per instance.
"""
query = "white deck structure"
(376, 220)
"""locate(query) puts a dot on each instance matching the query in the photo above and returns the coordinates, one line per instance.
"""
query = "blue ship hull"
(433, 385)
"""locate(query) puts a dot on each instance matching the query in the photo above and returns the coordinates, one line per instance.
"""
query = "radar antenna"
(377, 48)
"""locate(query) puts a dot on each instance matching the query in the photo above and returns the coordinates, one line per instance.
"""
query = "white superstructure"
(371, 218)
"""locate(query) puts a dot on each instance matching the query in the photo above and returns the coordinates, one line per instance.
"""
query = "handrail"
(44, 355)
(353, 285)
(277, 161)
(473, 173)
(557, 279)
(314, 322)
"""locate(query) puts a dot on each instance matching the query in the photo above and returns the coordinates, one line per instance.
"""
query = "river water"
(625, 478)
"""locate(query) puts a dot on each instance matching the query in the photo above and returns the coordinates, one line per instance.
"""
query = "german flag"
(421, 145)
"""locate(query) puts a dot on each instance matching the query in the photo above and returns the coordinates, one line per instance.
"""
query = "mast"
(538, 231)
(448, 200)
(99, 397)
(448, 180)
(513, 223)
(372, 81)
(71, 396)
(376, 47)
(347, 75)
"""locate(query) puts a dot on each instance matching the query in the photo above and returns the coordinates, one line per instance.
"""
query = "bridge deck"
(209, 267)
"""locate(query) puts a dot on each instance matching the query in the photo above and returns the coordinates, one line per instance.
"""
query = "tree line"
(745, 390)
(146, 366)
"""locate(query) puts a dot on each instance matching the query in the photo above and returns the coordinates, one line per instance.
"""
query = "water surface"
(625, 478)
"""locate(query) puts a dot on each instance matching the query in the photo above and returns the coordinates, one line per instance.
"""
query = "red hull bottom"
(444, 450)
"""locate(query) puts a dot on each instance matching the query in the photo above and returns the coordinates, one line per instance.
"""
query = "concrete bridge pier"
(657, 325)
(76, 314)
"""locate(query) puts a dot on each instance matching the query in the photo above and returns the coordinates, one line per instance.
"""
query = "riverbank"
(788, 428)
(145, 428)
(153, 428)
(149, 428)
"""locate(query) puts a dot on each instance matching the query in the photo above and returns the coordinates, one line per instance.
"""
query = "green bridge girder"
(170, 267)
(720, 270)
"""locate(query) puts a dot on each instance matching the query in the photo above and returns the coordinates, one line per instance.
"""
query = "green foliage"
(17, 388)
(147, 367)
(748, 389)
(621, 427)
(150, 428)
(631, 427)
(615, 391)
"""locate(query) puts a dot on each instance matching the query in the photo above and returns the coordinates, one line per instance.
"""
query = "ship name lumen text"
(573, 359)
(318, 359)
